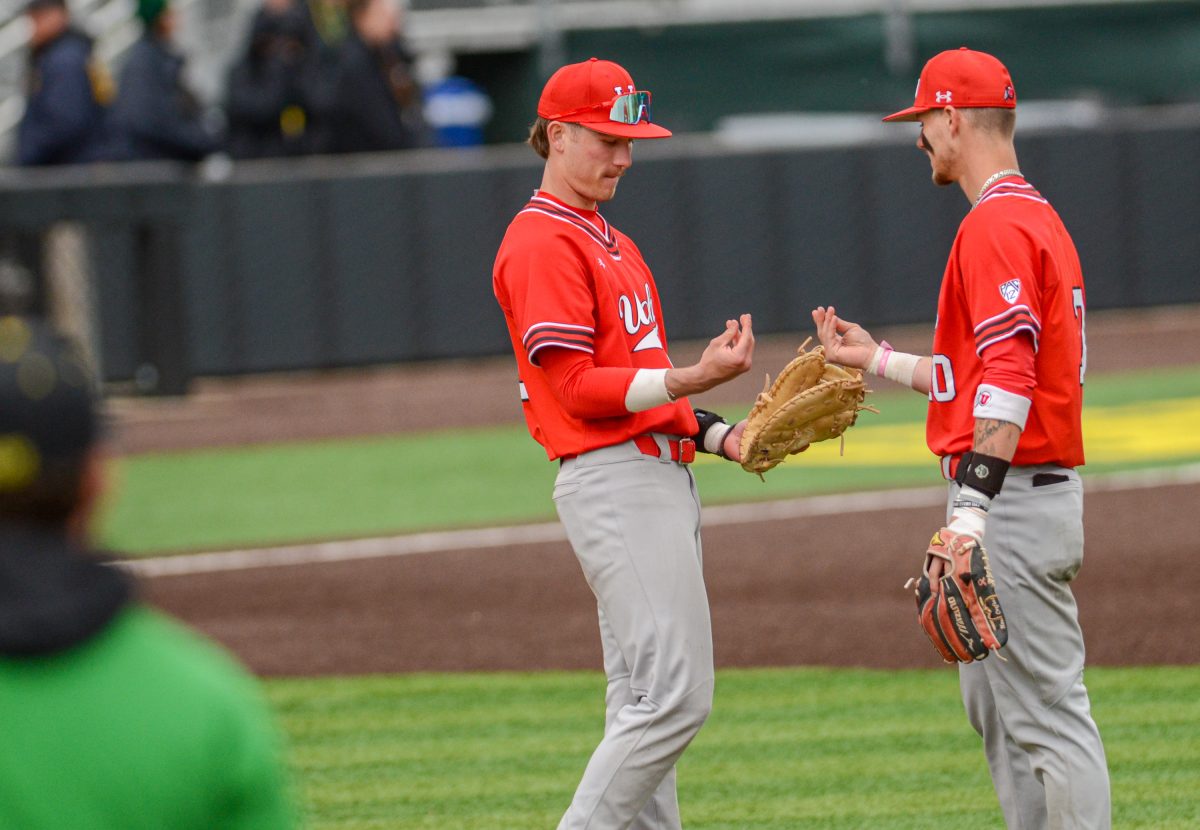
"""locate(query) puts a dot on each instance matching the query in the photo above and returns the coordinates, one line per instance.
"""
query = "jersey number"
(942, 387)
(1081, 315)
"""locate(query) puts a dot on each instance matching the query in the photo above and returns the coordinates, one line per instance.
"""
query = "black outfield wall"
(346, 262)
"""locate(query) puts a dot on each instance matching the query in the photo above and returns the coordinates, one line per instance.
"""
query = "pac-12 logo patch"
(1010, 291)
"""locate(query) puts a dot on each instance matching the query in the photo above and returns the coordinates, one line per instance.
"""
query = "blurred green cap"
(150, 10)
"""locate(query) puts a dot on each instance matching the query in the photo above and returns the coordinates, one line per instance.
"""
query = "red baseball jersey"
(566, 279)
(1009, 343)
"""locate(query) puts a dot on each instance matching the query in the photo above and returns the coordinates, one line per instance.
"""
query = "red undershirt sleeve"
(1009, 364)
(583, 389)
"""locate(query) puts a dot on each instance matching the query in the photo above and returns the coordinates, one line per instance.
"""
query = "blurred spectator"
(112, 716)
(329, 20)
(155, 116)
(378, 102)
(457, 109)
(329, 24)
(67, 92)
(273, 97)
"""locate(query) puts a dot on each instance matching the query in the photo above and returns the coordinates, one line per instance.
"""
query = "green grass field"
(785, 749)
(797, 748)
(278, 493)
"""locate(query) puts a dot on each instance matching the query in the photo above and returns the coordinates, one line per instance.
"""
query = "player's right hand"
(727, 355)
(846, 343)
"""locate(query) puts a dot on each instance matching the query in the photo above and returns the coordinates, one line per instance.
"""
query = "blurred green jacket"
(114, 716)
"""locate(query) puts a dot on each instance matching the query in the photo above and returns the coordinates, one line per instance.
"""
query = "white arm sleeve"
(997, 404)
(647, 390)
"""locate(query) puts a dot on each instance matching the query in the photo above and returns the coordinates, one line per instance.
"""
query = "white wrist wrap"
(967, 521)
(893, 365)
(714, 439)
(647, 390)
(970, 513)
(900, 367)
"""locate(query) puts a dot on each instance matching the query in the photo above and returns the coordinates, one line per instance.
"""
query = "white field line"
(495, 537)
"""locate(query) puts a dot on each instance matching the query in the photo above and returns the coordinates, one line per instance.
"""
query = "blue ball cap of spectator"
(48, 404)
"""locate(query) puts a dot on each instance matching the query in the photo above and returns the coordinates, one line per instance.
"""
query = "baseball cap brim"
(642, 129)
(909, 114)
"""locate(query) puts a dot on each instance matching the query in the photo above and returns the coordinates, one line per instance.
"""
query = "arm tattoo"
(998, 438)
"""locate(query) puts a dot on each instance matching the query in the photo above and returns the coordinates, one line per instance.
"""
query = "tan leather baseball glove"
(810, 401)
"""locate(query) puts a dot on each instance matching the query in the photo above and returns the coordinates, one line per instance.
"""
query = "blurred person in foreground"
(272, 96)
(376, 97)
(155, 115)
(112, 716)
(67, 92)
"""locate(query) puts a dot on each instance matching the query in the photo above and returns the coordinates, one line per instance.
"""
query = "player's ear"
(556, 133)
(953, 118)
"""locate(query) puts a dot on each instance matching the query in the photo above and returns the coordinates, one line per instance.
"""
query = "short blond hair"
(1001, 121)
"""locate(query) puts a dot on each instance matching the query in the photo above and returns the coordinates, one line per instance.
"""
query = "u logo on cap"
(943, 97)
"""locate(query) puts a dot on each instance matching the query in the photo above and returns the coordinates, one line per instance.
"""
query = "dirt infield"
(782, 593)
(779, 590)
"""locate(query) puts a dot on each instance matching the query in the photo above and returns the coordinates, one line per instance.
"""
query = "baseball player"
(602, 397)
(1005, 386)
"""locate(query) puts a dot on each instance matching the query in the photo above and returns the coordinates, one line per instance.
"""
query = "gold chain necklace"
(995, 177)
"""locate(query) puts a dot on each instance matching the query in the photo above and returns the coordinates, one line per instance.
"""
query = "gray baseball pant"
(1032, 709)
(634, 523)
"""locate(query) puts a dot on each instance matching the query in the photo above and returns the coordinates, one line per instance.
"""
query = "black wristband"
(707, 420)
(983, 472)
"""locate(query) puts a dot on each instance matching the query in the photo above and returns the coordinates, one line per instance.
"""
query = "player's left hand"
(733, 441)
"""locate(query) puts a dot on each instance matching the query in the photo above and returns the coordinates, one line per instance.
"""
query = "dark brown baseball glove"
(960, 612)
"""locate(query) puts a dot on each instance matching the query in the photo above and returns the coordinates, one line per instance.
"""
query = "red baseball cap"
(601, 96)
(962, 78)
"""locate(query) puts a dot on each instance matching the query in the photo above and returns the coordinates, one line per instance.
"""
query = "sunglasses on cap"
(630, 108)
